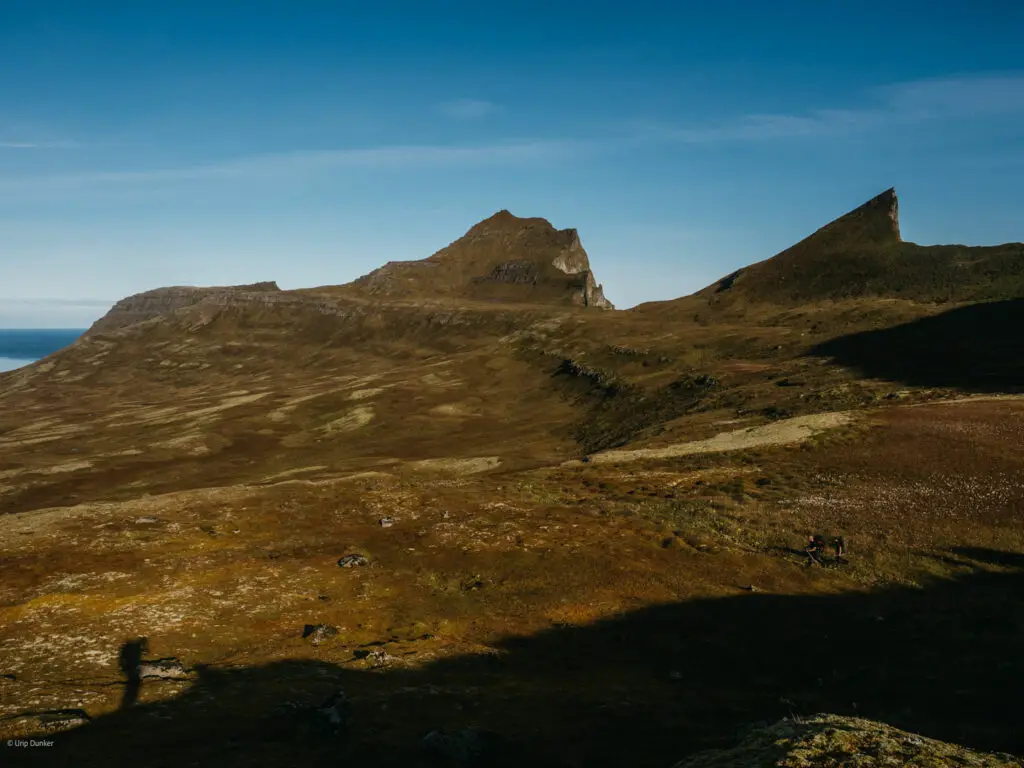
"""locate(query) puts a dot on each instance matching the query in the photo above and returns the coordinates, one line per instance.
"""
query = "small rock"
(331, 718)
(750, 588)
(146, 520)
(9, 676)
(675, 675)
(60, 719)
(377, 658)
(445, 515)
(165, 669)
(334, 713)
(319, 632)
(349, 561)
(466, 747)
(386, 522)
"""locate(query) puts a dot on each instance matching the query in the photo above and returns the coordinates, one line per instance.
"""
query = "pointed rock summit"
(502, 258)
(877, 221)
(862, 254)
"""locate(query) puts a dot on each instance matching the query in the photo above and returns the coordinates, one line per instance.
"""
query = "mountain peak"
(876, 221)
(504, 221)
(860, 254)
(502, 258)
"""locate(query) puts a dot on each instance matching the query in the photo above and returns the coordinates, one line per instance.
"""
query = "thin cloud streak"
(36, 303)
(990, 96)
(39, 144)
(401, 157)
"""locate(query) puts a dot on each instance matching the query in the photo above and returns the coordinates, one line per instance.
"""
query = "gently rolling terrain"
(581, 528)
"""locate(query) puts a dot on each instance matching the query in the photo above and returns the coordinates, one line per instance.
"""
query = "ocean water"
(21, 346)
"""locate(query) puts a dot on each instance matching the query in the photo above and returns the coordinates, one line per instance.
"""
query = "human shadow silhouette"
(979, 347)
(642, 689)
(129, 659)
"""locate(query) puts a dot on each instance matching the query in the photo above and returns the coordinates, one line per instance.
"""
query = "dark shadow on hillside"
(129, 659)
(643, 689)
(978, 347)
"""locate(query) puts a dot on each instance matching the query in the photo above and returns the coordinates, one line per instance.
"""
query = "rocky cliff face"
(165, 301)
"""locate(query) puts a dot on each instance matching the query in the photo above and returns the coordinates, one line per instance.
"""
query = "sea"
(21, 346)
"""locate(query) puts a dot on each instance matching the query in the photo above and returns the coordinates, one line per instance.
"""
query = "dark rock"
(333, 716)
(165, 669)
(319, 632)
(466, 747)
(300, 720)
(350, 561)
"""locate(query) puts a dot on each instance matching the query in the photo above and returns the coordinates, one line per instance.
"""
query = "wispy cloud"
(274, 165)
(468, 109)
(989, 96)
(38, 144)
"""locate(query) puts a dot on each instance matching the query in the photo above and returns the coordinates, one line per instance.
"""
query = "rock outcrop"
(503, 258)
(830, 740)
(165, 301)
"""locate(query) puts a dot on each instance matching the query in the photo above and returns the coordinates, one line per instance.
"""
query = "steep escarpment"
(862, 254)
(503, 258)
(165, 301)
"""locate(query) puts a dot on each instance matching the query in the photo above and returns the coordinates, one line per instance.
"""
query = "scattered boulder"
(164, 669)
(350, 561)
(319, 632)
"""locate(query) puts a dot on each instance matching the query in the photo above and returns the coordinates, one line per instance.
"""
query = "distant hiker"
(839, 547)
(815, 549)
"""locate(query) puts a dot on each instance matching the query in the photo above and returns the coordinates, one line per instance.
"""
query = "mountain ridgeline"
(510, 261)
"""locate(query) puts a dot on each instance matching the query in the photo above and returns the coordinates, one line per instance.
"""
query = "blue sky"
(148, 144)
